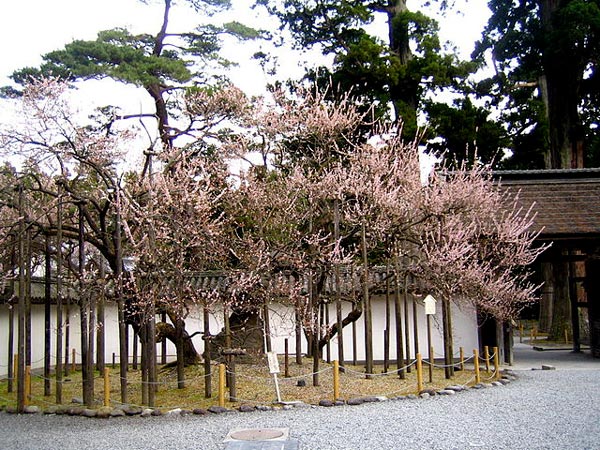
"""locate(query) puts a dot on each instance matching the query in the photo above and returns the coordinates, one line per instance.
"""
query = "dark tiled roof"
(350, 284)
(566, 202)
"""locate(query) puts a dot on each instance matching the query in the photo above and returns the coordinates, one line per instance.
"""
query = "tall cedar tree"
(545, 56)
(399, 70)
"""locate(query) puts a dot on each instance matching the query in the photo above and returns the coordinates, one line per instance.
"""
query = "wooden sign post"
(274, 370)
(430, 311)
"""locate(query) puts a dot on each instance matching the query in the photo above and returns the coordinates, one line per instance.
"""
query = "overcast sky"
(31, 28)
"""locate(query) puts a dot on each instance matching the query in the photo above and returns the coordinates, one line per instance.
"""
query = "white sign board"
(273, 362)
(430, 305)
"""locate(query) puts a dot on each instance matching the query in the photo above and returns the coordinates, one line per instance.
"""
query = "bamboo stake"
(222, 385)
(419, 373)
(496, 363)
(106, 386)
(476, 363)
(336, 380)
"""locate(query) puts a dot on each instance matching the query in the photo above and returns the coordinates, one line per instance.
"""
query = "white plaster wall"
(464, 324)
(193, 323)
(282, 327)
(37, 332)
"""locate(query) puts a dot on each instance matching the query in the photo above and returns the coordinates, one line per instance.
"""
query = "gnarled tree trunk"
(167, 331)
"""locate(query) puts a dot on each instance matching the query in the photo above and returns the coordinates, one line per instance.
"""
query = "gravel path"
(541, 410)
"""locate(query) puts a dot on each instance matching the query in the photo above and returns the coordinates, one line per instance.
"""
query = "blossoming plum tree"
(332, 191)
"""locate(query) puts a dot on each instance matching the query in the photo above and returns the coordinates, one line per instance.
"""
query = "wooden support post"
(328, 345)
(486, 356)
(398, 325)
(230, 355)
(107, 386)
(222, 385)
(462, 359)
(419, 373)
(354, 344)
(27, 397)
(267, 327)
(431, 362)
(207, 349)
(336, 380)
(298, 339)
(232, 380)
(386, 350)
(496, 363)
(11, 327)
(73, 354)
(113, 360)
(21, 338)
(58, 368)
(406, 324)
(134, 351)
(30, 382)
(476, 364)
(367, 311)
(47, 327)
(430, 347)
(337, 283)
(286, 360)
(16, 366)
(207, 369)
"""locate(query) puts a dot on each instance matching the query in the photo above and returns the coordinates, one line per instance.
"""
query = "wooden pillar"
(574, 303)
(593, 293)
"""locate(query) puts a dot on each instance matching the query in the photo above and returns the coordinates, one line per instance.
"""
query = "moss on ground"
(254, 385)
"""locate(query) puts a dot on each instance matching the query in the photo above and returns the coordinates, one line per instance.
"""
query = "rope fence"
(257, 386)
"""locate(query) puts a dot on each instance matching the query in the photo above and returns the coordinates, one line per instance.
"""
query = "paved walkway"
(557, 409)
(526, 358)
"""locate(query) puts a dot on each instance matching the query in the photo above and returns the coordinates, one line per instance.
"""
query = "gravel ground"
(541, 410)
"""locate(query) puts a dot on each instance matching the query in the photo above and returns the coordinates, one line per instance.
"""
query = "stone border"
(131, 410)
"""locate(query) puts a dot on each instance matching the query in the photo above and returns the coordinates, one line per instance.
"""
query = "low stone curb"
(133, 410)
